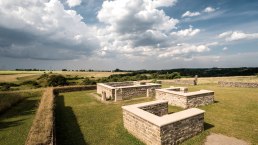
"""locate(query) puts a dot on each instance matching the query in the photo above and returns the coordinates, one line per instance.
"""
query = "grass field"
(18, 76)
(211, 80)
(83, 120)
(15, 122)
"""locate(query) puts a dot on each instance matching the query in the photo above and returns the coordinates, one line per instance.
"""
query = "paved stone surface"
(219, 139)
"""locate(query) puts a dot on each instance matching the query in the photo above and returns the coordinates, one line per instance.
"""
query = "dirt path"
(219, 139)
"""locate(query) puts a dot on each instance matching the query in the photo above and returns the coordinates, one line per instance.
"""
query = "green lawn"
(15, 123)
(80, 119)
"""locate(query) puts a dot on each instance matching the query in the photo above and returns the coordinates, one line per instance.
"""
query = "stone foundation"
(178, 96)
(238, 84)
(151, 123)
(126, 90)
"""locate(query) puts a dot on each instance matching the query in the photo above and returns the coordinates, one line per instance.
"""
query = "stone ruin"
(179, 96)
(151, 123)
(126, 90)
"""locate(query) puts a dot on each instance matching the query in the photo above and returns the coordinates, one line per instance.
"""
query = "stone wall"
(129, 92)
(180, 82)
(173, 99)
(185, 100)
(161, 130)
(238, 84)
(108, 91)
(157, 109)
(120, 84)
(179, 131)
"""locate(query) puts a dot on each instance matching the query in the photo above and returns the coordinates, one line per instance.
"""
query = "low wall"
(42, 131)
(185, 100)
(109, 92)
(74, 88)
(160, 130)
(123, 93)
(180, 82)
(238, 84)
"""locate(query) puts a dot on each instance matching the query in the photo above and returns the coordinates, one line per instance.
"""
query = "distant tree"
(117, 70)
(64, 69)
(57, 80)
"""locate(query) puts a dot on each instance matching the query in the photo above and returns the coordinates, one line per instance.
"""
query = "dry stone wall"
(184, 99)
(121, 92)
(180, 82)
(162, 128)
(129, 92)
(238, 84)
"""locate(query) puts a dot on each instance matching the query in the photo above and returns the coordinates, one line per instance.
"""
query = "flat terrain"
(210, 80)
(15, 123)
(15, 76)
(81, 119)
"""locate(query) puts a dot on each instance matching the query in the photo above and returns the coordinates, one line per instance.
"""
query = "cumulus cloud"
(183, 49)
(237, 35)
(190, 14)
(43, 29)
(209, 9)
(73, 3)
(186, 32)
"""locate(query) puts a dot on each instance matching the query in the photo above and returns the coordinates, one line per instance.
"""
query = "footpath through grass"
(15, 122)
(83, 120)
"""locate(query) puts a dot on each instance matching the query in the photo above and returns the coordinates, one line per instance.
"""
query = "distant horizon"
(41, 69)
(126, 34)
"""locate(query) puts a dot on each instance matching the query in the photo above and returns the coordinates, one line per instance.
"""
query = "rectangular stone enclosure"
(126, 90)
(179, 96)
(151, 123)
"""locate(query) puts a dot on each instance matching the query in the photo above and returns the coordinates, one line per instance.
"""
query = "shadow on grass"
(208, 126)
(67, 129)
(25, 107)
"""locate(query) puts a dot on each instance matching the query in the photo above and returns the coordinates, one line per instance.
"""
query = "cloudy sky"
(128, 34)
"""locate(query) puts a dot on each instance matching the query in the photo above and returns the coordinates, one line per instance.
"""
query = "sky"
(128, 34)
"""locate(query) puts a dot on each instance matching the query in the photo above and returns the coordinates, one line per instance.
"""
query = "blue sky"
(126, 34)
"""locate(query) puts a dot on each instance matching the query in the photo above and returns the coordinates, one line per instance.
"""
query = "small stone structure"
(126, 90)
(238, 84)
(179, 96)
(151, 123)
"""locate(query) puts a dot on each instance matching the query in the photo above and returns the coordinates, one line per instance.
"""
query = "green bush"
(7, 86)
(33, 83)
(57, 80)
(88, 81)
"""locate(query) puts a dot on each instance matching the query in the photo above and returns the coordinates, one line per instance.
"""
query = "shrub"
(33, 83)
(88, 81)
(7, 86)
(44, 76)
(57, 80)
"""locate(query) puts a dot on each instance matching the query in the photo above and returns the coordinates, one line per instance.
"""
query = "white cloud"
(237, 35)
(225, 48)
(209, 10)
(190, 14)
(73, 3)
(183, 49)
(186, 32)
(47, 26)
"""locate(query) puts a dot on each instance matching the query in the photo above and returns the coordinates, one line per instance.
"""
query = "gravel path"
(219, 139)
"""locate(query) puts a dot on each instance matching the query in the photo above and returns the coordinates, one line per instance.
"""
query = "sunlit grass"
(233, 114)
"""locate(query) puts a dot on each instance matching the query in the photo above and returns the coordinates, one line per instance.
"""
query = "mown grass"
(233, 114)
(15, 122)
(9, 99)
